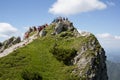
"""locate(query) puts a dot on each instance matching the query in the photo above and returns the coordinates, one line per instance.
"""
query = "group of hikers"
(40, 28)
(34, 29)
(59, 19)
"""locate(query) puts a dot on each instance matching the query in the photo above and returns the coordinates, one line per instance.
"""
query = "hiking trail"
(17, 46)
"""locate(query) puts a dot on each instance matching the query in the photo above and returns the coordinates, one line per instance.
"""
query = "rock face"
(63, 26)
(90, 60)
(8, 43)
(42, 33)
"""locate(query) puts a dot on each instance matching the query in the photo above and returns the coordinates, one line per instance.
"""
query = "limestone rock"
(84, 33)
(90, 58)
(58, 28)
(76, 33)
(91, 61)
(17, 40)
(8, 43)
(2, 49)
(63, 26)
(42, 33)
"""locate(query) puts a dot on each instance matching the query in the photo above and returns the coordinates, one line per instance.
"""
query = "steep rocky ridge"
(80, 56)
(90, 60)
(8, 43)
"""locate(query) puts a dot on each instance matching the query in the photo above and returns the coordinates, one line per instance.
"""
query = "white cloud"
(109, 42)
(7, 30)
(117, 37)
(70, 7)
(4, 36)
(104, 35)
(107, 36)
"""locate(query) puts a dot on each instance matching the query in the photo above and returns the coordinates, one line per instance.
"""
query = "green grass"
(35, 60)
(36, 57)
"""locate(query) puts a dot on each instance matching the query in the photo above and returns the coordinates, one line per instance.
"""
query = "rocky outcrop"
(16, 40)
(66, 25)
(90, 61)
(42, 33)
(84, 33)
(8, 43)
(63, 26)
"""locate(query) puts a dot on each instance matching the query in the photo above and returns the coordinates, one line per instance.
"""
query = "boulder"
(17, 40)
(42, 33)
(63, 25)
(84, 33)
(2, 49)
(34, 28)
(1, 46)
(30, 30)
(8, 43)
(58, 28)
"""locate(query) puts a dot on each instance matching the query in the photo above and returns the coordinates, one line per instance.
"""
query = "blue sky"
(100, 17)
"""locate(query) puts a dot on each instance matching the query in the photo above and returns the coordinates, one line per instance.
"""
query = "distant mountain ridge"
(114, 57)
(113, 70)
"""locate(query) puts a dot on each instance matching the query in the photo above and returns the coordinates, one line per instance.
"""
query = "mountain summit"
(56, 52)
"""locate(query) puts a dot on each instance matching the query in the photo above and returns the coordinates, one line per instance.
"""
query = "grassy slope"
(36, 57)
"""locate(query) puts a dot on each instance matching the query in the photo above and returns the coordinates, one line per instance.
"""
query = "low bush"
(30, 75)
(65, 55)
(66, 34)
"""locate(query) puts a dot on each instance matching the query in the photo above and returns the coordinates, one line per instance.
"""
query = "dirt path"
(16, 46)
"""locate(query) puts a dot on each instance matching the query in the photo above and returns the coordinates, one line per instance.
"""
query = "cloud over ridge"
(6, 30)
(108, 36)
(70, 7)
(109, 41)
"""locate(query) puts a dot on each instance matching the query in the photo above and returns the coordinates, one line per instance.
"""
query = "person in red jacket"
(26, 36)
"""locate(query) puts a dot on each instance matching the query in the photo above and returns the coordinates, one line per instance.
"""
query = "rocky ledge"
(8, 43)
